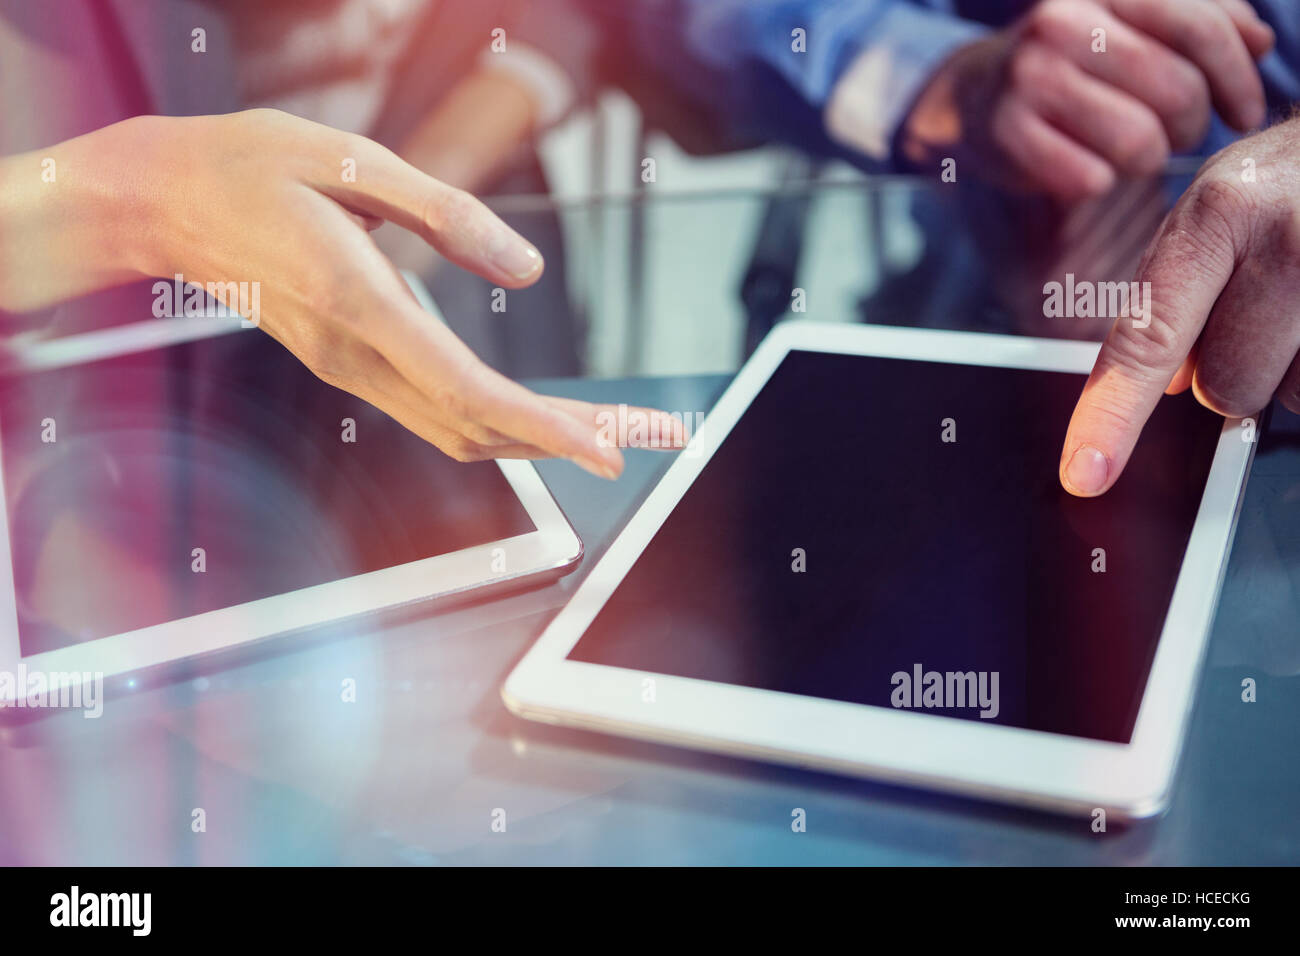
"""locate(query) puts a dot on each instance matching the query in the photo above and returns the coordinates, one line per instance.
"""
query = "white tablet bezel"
(1009, 764)
(548, 550)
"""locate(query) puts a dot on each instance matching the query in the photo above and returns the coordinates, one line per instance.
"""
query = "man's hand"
(265, 197)
(1224, 274)
(1040, 107)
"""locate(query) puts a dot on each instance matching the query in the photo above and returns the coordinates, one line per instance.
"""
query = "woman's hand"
(265, 197)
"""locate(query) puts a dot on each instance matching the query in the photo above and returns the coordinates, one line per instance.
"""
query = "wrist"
(123, 201)
(73, 218)
(934, 126)
(900, 58)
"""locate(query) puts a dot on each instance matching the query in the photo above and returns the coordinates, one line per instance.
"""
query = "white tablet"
(177, 488)
(868, 566)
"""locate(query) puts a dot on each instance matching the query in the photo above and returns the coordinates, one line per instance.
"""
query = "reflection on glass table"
(666, 282)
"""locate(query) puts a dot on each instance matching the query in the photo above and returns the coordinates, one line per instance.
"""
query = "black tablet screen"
(156, 485)
(893, 533)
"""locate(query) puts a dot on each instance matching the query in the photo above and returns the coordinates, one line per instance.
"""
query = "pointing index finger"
(455, 223)
(1181, 278)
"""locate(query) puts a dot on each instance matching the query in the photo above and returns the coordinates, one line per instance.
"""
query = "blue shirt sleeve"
(767, 68)
(1281, 68)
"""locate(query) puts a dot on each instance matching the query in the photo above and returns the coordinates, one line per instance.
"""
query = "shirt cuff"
(550, 85)
(876, 92)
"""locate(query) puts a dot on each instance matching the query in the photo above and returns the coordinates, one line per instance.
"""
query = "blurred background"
(641, 146)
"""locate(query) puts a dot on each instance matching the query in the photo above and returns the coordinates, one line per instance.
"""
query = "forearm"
(72, 218)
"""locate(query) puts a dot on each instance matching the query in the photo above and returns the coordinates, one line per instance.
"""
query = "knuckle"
(480, 434)
(449, 398)
(331, 300)
(449, 210)
(270, 122)
(1029, 70)
(365, 146)
(266, 114)
(1115, 411)
(456, 451)
(339, 303)
(1219, 208)
(367, 153)
(335, 360)
(1208, 29)
(323, 365)
(1189, 96)
(1141, 352)
(1046, 20)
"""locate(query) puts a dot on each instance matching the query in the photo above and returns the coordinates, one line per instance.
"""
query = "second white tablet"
(870, 567)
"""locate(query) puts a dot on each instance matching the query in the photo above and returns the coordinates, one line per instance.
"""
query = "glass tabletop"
(647, 290)
(659, 281)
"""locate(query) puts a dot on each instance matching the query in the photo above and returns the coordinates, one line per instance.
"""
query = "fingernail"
(1086, 473)
(514, 255)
